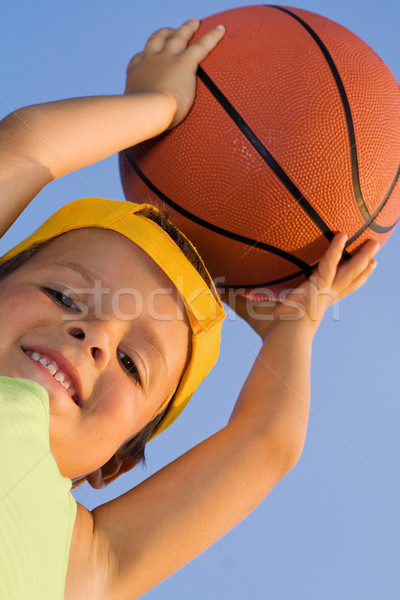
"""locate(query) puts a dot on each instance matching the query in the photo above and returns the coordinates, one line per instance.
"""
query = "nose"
(95, 338)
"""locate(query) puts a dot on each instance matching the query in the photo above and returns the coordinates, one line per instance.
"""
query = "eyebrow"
(151, 337)
(88, 275)
(155, 342)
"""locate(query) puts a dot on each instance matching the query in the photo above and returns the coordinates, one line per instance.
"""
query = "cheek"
(118, 411)
(22, 310)
(118, 407)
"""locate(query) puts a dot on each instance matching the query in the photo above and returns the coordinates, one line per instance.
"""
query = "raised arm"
(154, 529)
(42, 142)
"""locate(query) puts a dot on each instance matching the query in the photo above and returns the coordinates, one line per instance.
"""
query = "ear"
(115, 467)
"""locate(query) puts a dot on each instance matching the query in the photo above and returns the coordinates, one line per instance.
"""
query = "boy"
(122, 366)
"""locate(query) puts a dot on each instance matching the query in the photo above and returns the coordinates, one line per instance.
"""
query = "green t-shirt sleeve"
(37, 509)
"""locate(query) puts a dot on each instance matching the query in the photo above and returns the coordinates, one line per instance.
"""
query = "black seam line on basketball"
(264, 153)
(305, 268)
(281, 279)
(264, 284)
(379, 228)
(375, 226)
(347, 111)
(371, 225)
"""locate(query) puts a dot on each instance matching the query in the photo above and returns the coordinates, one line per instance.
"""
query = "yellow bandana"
(203, 306)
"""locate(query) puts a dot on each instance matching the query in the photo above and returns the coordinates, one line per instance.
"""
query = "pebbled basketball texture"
(294, 134)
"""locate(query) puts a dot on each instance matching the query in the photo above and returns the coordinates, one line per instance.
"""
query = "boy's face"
(121, 340)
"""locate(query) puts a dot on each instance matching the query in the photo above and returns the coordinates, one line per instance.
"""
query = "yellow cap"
(202, 304)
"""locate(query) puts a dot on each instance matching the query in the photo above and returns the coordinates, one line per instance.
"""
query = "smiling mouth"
(57, 373)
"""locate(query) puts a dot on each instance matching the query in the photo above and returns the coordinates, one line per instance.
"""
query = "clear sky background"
(331, 528)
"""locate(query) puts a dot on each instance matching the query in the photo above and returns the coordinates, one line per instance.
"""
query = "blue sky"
(331, 528)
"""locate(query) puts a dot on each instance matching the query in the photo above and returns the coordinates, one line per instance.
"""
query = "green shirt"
(37, 510)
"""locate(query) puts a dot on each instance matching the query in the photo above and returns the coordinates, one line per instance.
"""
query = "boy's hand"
(168, 65)
(332, 280)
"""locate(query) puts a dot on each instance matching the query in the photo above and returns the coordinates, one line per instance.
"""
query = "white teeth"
(59, 376)
(52, 368)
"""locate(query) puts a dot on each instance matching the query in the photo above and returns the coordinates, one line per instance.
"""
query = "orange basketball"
(295, 134)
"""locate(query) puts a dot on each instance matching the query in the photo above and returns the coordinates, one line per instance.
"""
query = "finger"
(176, 40)
(135, 60)
(328, 265)
(352, 269)
(185, 32)
(158, 39)
(360, 280)
(203, 46)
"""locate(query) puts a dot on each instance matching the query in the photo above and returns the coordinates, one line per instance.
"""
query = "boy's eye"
(61, 299)
(129, 365)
